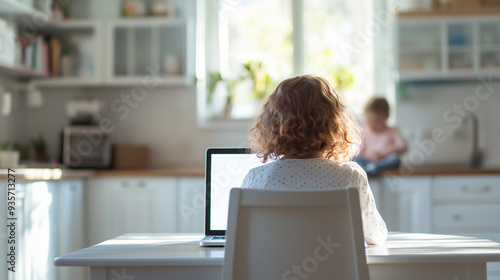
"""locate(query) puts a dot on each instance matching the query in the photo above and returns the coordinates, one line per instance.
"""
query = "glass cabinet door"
(460, 46)
(419, 47)
(489, 40)
(148, 47)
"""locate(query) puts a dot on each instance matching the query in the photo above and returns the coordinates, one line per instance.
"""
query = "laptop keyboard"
(219, 238)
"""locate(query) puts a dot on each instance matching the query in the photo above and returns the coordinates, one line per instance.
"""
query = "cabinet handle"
(457, 217)
(484, 189)
(142, 184)
(124, 184)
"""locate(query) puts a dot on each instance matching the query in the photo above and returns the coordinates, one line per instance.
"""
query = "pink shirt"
(385, 142)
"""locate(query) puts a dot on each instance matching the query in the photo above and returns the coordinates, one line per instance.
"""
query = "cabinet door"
(470, 206)
(190, 204)
(71, 226)
(405, 203)
(36, 234)
(148, 52)
(129, 205)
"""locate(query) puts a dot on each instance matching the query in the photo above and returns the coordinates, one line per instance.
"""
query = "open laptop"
(225, 169)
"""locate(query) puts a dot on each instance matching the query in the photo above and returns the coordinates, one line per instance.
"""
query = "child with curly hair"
(307, 131)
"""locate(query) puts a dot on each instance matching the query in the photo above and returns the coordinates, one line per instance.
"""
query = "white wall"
(165, 120)
(422, 110)
(12, 126)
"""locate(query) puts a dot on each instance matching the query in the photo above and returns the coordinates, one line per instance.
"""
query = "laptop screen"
(225, 169)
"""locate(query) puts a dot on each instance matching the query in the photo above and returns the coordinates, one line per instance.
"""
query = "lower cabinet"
(470, 206)
(190, 205)
(467, 205)
(71, 232)
(405, 202)
(44, 227)
(119, 205)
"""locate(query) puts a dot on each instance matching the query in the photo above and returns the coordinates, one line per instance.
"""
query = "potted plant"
(214, 78)
(261, 82)
(24, 150)
(40, 147)
(252, 72)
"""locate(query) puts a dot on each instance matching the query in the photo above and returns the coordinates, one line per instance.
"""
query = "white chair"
(294, 235)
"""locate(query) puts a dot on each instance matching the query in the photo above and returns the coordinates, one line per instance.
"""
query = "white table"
(178, 256)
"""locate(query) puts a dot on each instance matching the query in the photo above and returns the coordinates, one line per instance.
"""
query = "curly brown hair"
(303, 117)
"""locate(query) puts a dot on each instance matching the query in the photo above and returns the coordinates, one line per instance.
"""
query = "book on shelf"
(41, 54)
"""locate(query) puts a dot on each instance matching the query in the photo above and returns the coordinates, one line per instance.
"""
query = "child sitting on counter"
(382, 145)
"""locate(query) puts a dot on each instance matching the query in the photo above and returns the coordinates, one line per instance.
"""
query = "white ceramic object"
(172, 65)
(9, 159)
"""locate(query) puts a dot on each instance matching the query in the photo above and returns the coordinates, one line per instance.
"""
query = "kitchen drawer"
(467, 187)
(477, 217)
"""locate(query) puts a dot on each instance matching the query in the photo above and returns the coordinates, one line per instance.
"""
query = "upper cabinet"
(93, 52)
(158, 48)
(447, 48)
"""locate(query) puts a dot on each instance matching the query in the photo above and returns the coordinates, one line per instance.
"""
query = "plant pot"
(67, 64)
(9, 159)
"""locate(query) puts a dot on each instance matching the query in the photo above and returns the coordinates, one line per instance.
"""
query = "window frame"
(208, 54)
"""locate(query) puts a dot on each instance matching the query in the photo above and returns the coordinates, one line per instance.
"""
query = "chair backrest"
(294, 235)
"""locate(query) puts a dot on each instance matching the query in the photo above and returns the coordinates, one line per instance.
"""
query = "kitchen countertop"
(51, 173)
(185, 172)
(199, 172)
(441, 170)
(45, 173)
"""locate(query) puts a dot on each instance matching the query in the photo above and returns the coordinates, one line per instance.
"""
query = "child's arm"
(399, 142)
(374, 228)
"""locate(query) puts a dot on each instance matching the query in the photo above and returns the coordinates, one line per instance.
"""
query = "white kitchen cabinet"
(121, 205)
(470, 206)
(49, 224)
(405, 203)
(447, 48)
(149, 52)
(37, 236)
(112, 52)
(71, 226)
(190, 204)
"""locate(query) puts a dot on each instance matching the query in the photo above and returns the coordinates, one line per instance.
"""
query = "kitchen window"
(246, 47)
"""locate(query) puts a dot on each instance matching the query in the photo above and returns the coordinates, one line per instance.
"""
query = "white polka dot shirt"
(321, 174)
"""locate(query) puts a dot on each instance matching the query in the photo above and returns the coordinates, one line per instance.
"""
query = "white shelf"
(68, 82)
(15, 7)
(490, 48)
(419, 50)
(148, 22)
(20, 72)
(139, 80)
(458, 75)
(69, 25)
(63, 82)
(460, 49)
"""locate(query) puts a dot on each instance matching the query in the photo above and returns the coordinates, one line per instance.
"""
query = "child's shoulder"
(352, 166)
